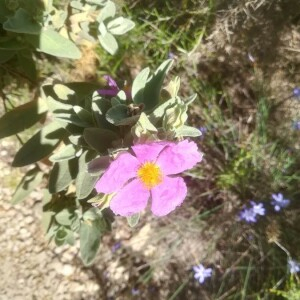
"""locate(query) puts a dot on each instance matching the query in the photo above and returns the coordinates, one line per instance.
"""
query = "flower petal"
(176, 158)
(123, 168)
(149, 152)
(131, 199)
(167, 195)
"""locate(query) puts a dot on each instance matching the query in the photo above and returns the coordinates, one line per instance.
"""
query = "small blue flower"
(258, 208)
(279, 202)
(135, 291)
(201, 273)
(248, 215)
(294, 266)
(296, 125)
(116, 246)
(296, 92)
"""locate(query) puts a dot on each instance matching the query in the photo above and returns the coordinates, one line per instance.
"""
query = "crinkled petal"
(110, 81)
(176, 158)
(123, 168)
(149, 152)
(167, 195)
(131, 199)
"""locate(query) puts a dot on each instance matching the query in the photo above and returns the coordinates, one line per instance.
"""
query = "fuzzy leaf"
(133, 220)
(22, 22)
(28, 183)
(85, 182)
(139, 84)
(120, 26)
(21, 118)
(187, 131)
(117, 113)
(90, 233)
(108, 42)
(51, 42)
(62, 174)
(99, 139)
(108, 11)
(40, 145)
(154, 85)
(64, 217)
(98, 165)
(65, 153)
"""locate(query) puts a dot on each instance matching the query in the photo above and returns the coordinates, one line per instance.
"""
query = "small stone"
(67, 270)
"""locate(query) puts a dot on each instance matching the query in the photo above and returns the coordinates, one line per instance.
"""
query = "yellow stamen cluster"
(150, 174)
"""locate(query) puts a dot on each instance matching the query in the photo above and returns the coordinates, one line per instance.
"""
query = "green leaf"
(62, 174)
(160, 111)
(62, 91)
(40, 145)
(108, 42)
(90, 233)
(85, 182)
(6, 55)
(133, 220)
(120, 26)
(65, 153)
(11, 43)
(83, 114)
(64, 217)
(98, 165)
(51, 42)
(28, 183)
(143, 130)
(108, 11)
(117, 113)
(22, 22)
(187, 131)
(100, 139)
(21, 118)
(101, 201)
(27, 64)
(154, 85)
(139, 84)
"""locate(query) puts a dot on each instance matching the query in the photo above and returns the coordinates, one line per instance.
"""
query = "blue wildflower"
(116, 246)
(296, 125)
(135, 291)
(296, 92)
(258, 208)
(248, 215)
(279, 202)
(201, 273)
(294, 266)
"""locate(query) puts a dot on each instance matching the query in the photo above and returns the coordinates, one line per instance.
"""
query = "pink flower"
(148, 174)
(112, 89)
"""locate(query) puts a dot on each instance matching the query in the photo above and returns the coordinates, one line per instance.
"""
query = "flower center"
(150, 174)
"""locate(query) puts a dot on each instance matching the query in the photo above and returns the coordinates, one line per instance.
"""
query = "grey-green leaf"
(120, 26)
(22, 22)
(85, 182)
(117, 113)
(108, 11)
(64, 217)
(62, 174)
(51, 42)
(154, 85)
(40, 145)
(21, 118)
(28, 183)
(65, 153)
(133, 220)
(108, 42)
(99, 139)
(90, 236)
(187, 131)
(139, 84)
